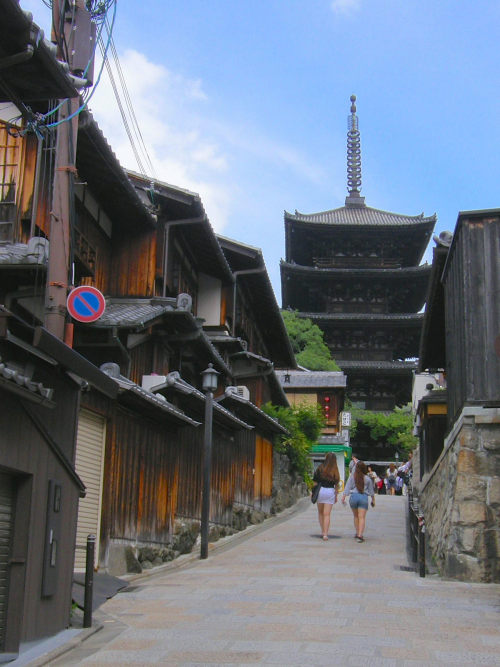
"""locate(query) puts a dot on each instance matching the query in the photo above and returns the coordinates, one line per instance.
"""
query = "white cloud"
(346, 6)
(169, 109)
(188, 145)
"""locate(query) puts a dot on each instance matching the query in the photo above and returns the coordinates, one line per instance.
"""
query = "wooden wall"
(153, 474)
(472, 285)
(33, 463)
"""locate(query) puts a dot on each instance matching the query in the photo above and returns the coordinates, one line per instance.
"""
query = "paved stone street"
(284, 597)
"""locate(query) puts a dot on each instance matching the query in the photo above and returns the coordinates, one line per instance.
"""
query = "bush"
(395, 428)
(304, 424)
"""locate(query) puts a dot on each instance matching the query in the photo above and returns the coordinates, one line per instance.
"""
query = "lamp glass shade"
(209, 378)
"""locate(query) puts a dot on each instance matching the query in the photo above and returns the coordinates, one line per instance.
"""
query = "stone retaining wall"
(460, 499)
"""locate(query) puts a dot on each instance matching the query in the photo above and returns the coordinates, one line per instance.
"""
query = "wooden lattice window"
(9, 168)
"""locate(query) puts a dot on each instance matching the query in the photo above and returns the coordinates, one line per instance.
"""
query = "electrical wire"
(128, 101)
(87, 100)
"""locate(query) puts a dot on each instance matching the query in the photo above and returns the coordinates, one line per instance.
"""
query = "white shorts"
(327, 496)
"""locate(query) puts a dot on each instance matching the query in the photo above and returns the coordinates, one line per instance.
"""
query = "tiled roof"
(313, 379)
(251, 412)
(154, 400)
(390, 317)
(36, 253)
(139, 313)
(14, 379)
(133, 312)
(360, 215)
(348, 365)
(403, 272)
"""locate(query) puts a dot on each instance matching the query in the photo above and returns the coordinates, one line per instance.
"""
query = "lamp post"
(209, 384)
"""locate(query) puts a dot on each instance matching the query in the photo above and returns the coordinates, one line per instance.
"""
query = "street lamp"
(209, 384)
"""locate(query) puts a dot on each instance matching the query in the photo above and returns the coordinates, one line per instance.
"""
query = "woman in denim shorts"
(359, 488)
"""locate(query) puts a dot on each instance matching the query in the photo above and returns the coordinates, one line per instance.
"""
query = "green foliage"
(304, 424)
(394, 428)
(307, 342)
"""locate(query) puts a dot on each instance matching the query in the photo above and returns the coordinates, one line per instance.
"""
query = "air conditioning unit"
(240, 390)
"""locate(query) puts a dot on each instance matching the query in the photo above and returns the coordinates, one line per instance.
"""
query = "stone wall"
(288, 487)
(460, 499)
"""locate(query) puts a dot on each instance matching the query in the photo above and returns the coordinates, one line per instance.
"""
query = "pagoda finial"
(353, 159)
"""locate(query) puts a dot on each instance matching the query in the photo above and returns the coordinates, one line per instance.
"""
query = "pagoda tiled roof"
(377, 366)
(381, 317)
(403, 272)
(361, 216)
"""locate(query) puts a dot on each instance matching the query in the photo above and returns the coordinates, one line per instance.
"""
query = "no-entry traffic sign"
(86, 304)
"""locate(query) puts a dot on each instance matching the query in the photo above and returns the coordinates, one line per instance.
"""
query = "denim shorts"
(358, 501)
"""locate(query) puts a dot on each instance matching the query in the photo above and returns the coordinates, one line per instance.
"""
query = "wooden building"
(355, 272)
(325, 389)
(40, 385)
(133, 448)
(41, 379)
(458, 478)
(139, 454)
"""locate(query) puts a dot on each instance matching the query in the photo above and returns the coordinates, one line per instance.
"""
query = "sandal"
(360, 539)
(325, 537)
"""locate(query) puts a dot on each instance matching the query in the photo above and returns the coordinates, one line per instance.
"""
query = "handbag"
(315, 492)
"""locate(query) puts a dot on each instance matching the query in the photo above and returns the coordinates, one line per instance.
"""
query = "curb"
(46, 658)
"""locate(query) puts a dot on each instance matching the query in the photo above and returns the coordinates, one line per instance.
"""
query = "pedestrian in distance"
(404, 473)
(352, 463)
(327, 474)
(391, 476)
(359, 488)
(374, 477)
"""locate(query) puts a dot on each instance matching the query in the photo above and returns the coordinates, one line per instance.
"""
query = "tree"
(304, 424)
(394, 429)
(307, 342)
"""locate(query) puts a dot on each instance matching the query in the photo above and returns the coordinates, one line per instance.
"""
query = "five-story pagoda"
(355, 271)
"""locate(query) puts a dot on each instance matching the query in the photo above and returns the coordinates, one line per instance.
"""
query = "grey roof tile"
(133, 312)
(311, 379)
(360, 215)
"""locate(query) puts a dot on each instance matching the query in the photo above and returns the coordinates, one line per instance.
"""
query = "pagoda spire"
(353, 159)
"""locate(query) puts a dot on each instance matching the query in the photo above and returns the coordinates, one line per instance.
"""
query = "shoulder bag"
(315, 492)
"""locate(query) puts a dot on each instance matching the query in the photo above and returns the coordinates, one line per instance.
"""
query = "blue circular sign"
(86, 304)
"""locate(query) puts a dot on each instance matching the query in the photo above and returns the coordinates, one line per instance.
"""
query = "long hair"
(329, 470)
(359, 476)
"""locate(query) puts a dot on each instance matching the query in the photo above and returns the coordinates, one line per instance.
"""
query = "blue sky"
(247, 102)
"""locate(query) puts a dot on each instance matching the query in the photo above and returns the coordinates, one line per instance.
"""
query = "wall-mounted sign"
(86, 304)
(346, 419)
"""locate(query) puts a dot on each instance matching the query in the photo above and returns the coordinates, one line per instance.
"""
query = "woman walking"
(327, 474)
(391, 478)
(359, 487)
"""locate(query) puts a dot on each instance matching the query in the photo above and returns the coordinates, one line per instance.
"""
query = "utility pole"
(60, 222)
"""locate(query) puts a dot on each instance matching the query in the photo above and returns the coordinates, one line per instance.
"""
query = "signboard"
(86, 304)
(346, 419)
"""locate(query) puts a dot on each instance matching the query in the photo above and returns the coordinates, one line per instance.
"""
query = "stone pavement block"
(204, 657)
(405, 653)
(284, 597)
(467, 658)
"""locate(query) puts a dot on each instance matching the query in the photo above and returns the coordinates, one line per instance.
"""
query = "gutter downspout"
(166, 243)
(115, 338)
(36, 188)
(243, 272)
